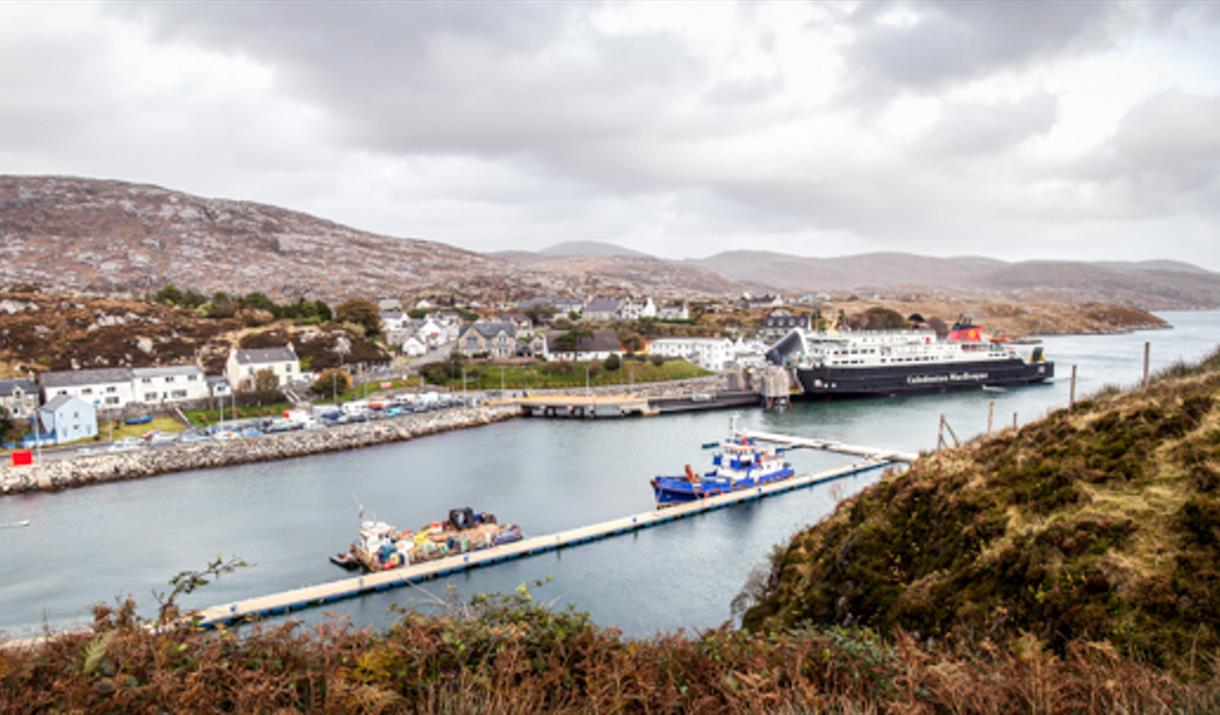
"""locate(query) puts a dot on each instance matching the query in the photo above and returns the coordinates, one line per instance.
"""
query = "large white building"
(243, 365)
(169, 384)
(113, 388)
(708, 353)
(108, 388)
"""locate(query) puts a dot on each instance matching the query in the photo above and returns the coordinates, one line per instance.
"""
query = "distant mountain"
(1150, 284)
(590, 248)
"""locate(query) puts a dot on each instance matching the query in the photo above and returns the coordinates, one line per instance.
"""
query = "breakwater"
(83, 471)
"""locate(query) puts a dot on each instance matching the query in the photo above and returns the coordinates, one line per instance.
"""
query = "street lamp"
(588, 388)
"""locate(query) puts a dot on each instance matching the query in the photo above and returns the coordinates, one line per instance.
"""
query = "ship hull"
(892, 380)
(669, 491)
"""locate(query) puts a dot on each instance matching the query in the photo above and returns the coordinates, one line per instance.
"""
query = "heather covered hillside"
(1100, 523)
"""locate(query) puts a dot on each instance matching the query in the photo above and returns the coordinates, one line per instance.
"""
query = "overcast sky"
(1015, 130)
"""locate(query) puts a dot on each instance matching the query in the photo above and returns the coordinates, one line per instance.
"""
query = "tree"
(571, 339)
(266, 381)
(880, 318)
(612, 362)
(8, 426)
(332, 380)
(168, 295)
(658, 360)
(940, 326)
(362, 312)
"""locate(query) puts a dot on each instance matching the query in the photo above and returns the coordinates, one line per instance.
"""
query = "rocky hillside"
(1154, 285)
(1097, 523)
(110, 236)
(40, 332)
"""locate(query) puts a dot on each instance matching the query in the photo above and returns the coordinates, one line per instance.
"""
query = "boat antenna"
(359, 507)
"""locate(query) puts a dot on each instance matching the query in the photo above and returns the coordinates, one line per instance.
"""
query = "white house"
(108, 388)
(218, 386)
(673, 311)
(169, 384)
(708, 353)
(433, 333)
(67, 418)
(632, 309)
(243, 365)
(392, 320)
(19, 397)
(602, 345)
(414, 347)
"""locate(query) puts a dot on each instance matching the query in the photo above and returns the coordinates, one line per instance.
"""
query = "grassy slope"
(540, 375)
(1099, 523)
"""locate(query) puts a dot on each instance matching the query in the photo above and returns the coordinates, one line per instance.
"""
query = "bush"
(332, 380)
(612, 363)
(658, 360)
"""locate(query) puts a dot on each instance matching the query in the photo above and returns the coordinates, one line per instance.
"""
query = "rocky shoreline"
(83, 471)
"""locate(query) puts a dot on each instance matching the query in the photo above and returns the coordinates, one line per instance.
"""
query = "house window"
(288, 368)
(150, 397)
(112, 388)
(250, 371)
(112, 400)
(146, 380)
(86, 391)
(191, 378)
(169, 378)
(178, 394)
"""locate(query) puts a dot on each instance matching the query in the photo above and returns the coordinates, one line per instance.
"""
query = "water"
(285, 518)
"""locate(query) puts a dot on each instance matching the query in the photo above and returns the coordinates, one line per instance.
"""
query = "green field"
(163, 424)
(543, 375)
(203, 418)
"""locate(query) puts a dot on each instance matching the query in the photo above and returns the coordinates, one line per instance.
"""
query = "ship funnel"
(790, 344)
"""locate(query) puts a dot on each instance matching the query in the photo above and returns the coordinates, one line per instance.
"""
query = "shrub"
(658, 360)
(332, 380)
(612, 363)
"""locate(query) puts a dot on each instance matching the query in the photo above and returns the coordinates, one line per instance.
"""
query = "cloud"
(677, 128)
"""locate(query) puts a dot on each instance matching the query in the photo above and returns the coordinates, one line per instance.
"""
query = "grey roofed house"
(392, 315)
(97, 376)
(261, 356)
(603, 341)
(384, 304)
(167, 371)
(603, 305)
(490, 329)
(21, 385)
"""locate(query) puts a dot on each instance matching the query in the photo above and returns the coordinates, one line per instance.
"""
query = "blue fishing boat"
(738, 464)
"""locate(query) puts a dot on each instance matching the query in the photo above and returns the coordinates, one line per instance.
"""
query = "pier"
(322, 594)
(830, 445)
(596, 406)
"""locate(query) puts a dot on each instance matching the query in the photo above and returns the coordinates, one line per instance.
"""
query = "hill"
(590, 248)
(1100, 523)
(1147, 284)
(68, 233)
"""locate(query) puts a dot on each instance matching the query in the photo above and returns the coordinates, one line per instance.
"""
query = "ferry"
(906, 362)
(739, 463)
(381, 547)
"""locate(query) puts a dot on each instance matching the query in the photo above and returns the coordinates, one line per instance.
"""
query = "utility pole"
(501, 378)
(990, 415)
(1072, 394)
(1147, 360)
(334, 386)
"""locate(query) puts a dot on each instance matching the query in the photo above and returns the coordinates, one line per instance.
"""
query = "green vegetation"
(1099, 523)
(509, 655)
(120, 430)
(221, 305)
(364, 313)
(359, 392)
(203, 418)
(542, 375)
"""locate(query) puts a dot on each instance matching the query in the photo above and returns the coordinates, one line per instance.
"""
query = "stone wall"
(82, 471)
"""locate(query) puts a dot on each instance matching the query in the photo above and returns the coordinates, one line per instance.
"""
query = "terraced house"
(107, 388)
(243, 365)
(496, 339)
(19, 397)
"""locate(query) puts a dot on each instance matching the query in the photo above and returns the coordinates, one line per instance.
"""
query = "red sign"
(386, 385)
(22, 457)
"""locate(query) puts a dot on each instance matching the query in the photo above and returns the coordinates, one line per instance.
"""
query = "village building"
(388, 304)
(708, 353)
(600, 346)
(218, 386)
(173, 383)
(781, 322)
(108, 388)
(393, 320)
(632, 309)
(673, 311)
(602, 310)
(243, 365)
(19, 397)
(66, 418)
(494, 339)
(414, 347)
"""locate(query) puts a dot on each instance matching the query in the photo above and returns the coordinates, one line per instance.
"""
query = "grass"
(203, 418)
(1100, 522)
(545, 375)
(358, 392)
(161, 423)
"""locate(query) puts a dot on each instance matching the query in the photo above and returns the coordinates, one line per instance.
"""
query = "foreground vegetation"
(542, 375)
(1100, 522)
(503, 655)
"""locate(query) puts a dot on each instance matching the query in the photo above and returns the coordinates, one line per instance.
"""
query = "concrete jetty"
(830, 445)
(322, 594)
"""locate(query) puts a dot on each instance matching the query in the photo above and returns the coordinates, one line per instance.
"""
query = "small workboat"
(15, 524)
(740, 463)
(381, 547)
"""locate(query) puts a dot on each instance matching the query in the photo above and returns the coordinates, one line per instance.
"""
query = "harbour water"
(285, 518)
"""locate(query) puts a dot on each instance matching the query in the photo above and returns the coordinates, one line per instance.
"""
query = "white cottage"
(108, 388)
(174, 383)
(243, 365)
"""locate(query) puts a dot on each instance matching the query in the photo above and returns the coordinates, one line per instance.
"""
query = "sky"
(1041, 129)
